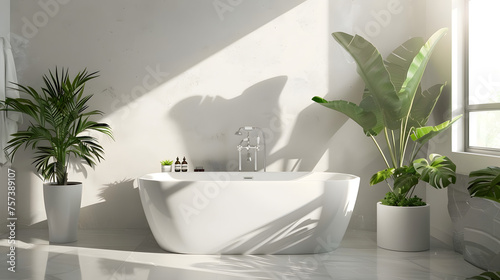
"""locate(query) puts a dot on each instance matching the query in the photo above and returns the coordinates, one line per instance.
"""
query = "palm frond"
(60, 116)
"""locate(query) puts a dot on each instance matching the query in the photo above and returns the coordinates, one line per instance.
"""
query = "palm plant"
(395, 106)
(58, 125)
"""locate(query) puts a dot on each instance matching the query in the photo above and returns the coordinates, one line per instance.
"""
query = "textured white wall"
(439, 14)
(179, 77)
(4, 17)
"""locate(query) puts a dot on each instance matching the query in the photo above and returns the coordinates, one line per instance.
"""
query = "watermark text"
(11, 219)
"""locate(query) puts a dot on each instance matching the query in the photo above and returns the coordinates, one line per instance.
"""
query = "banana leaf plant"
(486, 183)
(59, 122)
(395, 107)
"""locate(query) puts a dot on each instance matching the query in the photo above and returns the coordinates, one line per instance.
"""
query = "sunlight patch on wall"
(274, 71)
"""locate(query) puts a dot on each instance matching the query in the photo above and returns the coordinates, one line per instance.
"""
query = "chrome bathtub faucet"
(245, 145)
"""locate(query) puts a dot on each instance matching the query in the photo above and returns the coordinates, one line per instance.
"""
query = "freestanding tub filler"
(248, 212)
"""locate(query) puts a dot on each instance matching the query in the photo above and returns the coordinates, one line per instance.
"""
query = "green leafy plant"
(395, 107)
(59, 122)
(486, 183)
(489, 275)
(166, 162)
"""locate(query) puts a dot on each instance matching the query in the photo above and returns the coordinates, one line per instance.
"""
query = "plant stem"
(405, 145)
(417, 150)
(390, 187)
(394, 144)
(410, 192)
(380, 150)
(389, 144)
(402, 144)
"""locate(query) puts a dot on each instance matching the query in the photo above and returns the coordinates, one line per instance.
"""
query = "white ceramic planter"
(403, 228)
(62, 205)
(166, 168)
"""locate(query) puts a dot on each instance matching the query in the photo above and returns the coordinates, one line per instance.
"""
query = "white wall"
(4, 32)
(439, 70)
(179, 77)
(4, 17)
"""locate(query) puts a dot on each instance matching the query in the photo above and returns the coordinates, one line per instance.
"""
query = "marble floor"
(134, 254)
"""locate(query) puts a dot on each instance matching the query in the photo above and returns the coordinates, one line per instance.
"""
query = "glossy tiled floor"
(133, 254)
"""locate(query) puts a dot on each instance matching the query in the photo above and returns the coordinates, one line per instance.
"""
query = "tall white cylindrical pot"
(62, 206)
(403, 228)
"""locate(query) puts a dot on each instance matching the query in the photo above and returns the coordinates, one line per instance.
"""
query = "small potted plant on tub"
(166, 165)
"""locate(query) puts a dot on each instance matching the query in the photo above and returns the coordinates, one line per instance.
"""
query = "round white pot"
(403, 228)
(62, 206)
(166, 168)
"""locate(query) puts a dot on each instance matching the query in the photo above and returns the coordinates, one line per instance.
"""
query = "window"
(482, 77)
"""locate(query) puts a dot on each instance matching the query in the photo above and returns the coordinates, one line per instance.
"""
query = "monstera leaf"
(439, 173)
(382, 176)
(486, 184)
(406, 178)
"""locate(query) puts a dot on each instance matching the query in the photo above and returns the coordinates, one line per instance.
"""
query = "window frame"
(467, 107)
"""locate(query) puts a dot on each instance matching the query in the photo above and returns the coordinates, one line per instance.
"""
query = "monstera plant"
(395, 108)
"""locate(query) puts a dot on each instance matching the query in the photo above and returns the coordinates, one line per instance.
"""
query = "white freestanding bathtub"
(248, 212)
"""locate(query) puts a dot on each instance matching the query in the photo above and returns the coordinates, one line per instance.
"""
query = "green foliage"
(486, 183)
(382, 176)
(439, 173)
(399, 199)
(490, 275)
(425, 133)
(394, 106)
(166, 162)
(59, 124)
(364, 118)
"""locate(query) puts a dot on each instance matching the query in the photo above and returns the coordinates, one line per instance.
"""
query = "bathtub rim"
(210, 176)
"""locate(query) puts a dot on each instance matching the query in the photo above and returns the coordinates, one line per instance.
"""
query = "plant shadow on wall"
(308, 141)
(208, 124)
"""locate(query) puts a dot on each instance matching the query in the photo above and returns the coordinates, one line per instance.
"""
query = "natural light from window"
(483, 100)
